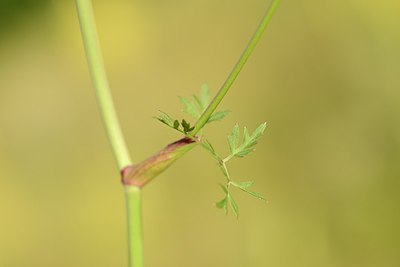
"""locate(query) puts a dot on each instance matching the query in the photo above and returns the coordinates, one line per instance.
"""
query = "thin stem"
(228, 177)
(238, 67)
(110, 120)
(100, 83)
(134, 214)
(228, 158)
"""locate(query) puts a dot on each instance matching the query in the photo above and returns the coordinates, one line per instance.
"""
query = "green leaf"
(204, 95)
(186, 126)
(165, 118)
(204, 98)
(244, 152)
(199, 102)
(199, 105)
(170, 122)
(233, 139)
(249, 141)
(222, 204)
(190, 107)
(254, 194)
(176, 124)
(242, 185)
(246, 136)
(234, 206)
(259, 131)
(219, 115)
(207, 145)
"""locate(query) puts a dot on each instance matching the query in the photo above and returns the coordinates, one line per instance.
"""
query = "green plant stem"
(134, 212)
(237, 68)
(110, 120)
(100, 83)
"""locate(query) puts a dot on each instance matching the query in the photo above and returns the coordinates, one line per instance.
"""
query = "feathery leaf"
(222, 204)
(219, 115)
(190, 107)
(234, 206)
(244, 187)
(204, 95)
(233, 138)
(207, 145)
(248, 143)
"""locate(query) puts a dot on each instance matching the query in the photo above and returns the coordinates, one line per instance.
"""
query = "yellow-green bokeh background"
(325, 77)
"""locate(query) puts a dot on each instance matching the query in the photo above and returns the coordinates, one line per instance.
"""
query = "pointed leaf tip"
(248, 143)
(190, 107)
(259, 131)
(234, 205)
(255, 194)
(219, 115)
(176, 124)
(222, 204)
(233, 138)
(205, 94)
(242, 185)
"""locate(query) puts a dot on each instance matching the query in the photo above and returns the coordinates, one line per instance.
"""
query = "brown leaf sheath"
(142, 173)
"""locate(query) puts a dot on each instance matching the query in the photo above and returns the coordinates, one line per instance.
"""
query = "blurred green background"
(325, 77)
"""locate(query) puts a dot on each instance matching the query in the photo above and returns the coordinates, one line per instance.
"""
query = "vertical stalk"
(134, 212)
(100, 82)
(111, 124)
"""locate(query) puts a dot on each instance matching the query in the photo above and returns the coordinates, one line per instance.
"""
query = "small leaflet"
(234, 205)
(244, 187)
(248, 143)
